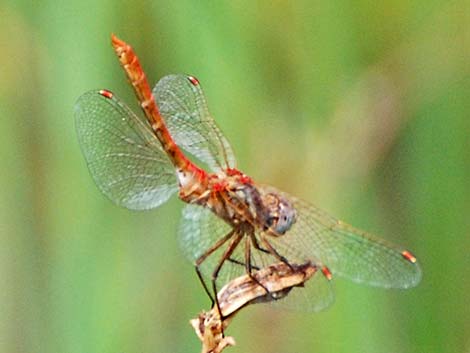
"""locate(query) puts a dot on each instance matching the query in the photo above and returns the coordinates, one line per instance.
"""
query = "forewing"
(345, 250)
(182, 104)
(123, 156)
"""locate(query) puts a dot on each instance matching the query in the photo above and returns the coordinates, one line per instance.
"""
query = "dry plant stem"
(278, 279)
(209, 328)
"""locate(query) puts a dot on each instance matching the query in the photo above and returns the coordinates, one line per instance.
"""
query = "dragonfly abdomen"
(136, 76)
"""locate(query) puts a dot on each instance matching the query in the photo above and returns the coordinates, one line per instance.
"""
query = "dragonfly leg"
(274, 252)
(204, 256)
(256, 245)
(226, 255)
(204, 285)
(248, 264)
(240, 263)
(271, 250)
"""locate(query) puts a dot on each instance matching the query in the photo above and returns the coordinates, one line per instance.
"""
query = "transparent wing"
(345, 250)
(123, 156)
(182, 104)
(317, 294)
(200, 229)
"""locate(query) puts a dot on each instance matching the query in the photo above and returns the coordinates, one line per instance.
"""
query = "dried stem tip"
(277, 279)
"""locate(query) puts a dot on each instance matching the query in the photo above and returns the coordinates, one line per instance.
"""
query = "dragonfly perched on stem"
(231, 225)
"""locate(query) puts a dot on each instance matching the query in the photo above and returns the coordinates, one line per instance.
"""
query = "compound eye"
(272, 221)
(283, 225)
(281, 214)
(286, 219)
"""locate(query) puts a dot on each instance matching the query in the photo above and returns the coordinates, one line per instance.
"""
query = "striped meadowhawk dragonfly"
(231, 225)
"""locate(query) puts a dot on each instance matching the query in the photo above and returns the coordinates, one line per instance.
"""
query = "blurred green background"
(360, 107)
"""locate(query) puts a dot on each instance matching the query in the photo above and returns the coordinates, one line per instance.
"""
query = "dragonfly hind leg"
(204, 256)
(236, 238)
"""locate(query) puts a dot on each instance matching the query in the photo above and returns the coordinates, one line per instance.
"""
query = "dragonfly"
(230, 224)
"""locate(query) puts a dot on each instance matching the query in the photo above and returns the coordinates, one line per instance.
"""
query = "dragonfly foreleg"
(256, 245)
(274, 252)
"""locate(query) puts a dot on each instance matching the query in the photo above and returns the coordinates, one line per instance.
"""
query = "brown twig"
(279, 279)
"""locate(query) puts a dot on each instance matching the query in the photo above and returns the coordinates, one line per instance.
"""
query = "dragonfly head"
(281, 214)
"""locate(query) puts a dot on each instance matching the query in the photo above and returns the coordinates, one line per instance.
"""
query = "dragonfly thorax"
(236, 199)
